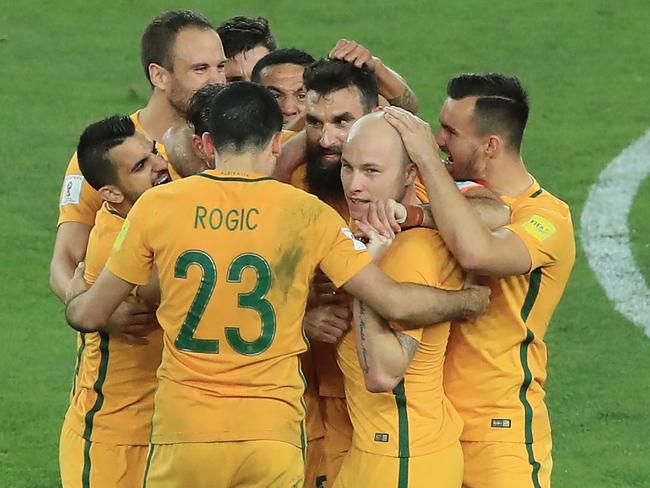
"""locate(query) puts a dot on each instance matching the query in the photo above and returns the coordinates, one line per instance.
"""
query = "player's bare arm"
(392, 86)
(388, 216)
(384, 354)
(150, 292)
(89, 310)
(69, 251)
(411, 304)
(477, 248)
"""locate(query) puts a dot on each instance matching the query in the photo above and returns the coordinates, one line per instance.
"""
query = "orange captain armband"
(414, 217)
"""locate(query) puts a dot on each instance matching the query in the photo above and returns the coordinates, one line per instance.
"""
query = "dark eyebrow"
(449, 128)
(344, 117)
(311, 118)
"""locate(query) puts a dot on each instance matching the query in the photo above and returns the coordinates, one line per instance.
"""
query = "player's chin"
(358, 208)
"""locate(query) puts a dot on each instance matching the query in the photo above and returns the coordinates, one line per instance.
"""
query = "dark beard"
(323, 179)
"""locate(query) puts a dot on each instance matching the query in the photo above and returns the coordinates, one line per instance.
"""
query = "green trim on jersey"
(303, 435)
(403, 429)
(537, 193)
(148, 464)
(99, 401)
(235, 178)
(531, 297)
(111, 210)
(80, 352)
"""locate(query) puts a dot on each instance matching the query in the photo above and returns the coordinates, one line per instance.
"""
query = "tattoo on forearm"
(407, 100)
(362, 336)
(408, 343)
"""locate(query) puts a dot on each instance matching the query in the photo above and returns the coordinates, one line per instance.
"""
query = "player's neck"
(122, 208)
(245, 163)
(508, 176)
(158, 115)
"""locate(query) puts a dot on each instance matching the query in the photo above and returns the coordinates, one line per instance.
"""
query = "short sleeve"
(78, 202)
(343, 256)
(96, 255)
(132, 257)
(544, 232)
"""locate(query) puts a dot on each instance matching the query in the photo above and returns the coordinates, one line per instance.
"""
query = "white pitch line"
(606, 234)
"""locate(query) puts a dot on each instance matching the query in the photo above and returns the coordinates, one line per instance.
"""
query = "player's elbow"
(470, 259)
(80, 320)
(380, 382)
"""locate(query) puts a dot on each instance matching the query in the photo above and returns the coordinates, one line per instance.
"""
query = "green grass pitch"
(585, 62)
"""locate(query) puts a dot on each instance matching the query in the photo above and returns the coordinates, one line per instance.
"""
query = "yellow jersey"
(115, 381)
(496, 364)
(79, 202)
(235, 255)
(417, 418)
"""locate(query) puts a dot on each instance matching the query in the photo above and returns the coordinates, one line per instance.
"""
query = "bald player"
(406, 432)
(180, 151)
(180, 52)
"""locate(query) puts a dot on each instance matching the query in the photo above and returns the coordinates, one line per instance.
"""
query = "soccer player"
(281, 71)
(246, 40)
(106, 431)
(235, 252)
(496, 365)
(406, 432)
(180, 53)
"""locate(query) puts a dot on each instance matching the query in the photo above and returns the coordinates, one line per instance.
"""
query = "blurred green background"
(585, 63)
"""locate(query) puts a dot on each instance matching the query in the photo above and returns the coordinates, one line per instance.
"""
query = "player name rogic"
(234, 219)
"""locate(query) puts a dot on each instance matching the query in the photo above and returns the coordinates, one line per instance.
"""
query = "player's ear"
(411, 173)
(494, 145)
(112, 194)
(197, 147)
(276, 144)
(208, 147)
(158, 75)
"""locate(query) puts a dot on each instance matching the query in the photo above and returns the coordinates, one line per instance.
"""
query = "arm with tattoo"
(384, 354)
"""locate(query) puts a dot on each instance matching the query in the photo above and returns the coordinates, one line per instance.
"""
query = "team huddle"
(277, 281)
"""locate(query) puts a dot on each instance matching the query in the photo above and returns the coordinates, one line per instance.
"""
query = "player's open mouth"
(163, 179)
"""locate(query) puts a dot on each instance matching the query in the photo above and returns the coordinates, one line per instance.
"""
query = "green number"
(255, 300)
(185, 340)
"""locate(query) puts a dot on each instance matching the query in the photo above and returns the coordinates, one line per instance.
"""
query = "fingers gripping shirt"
(235, 255)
